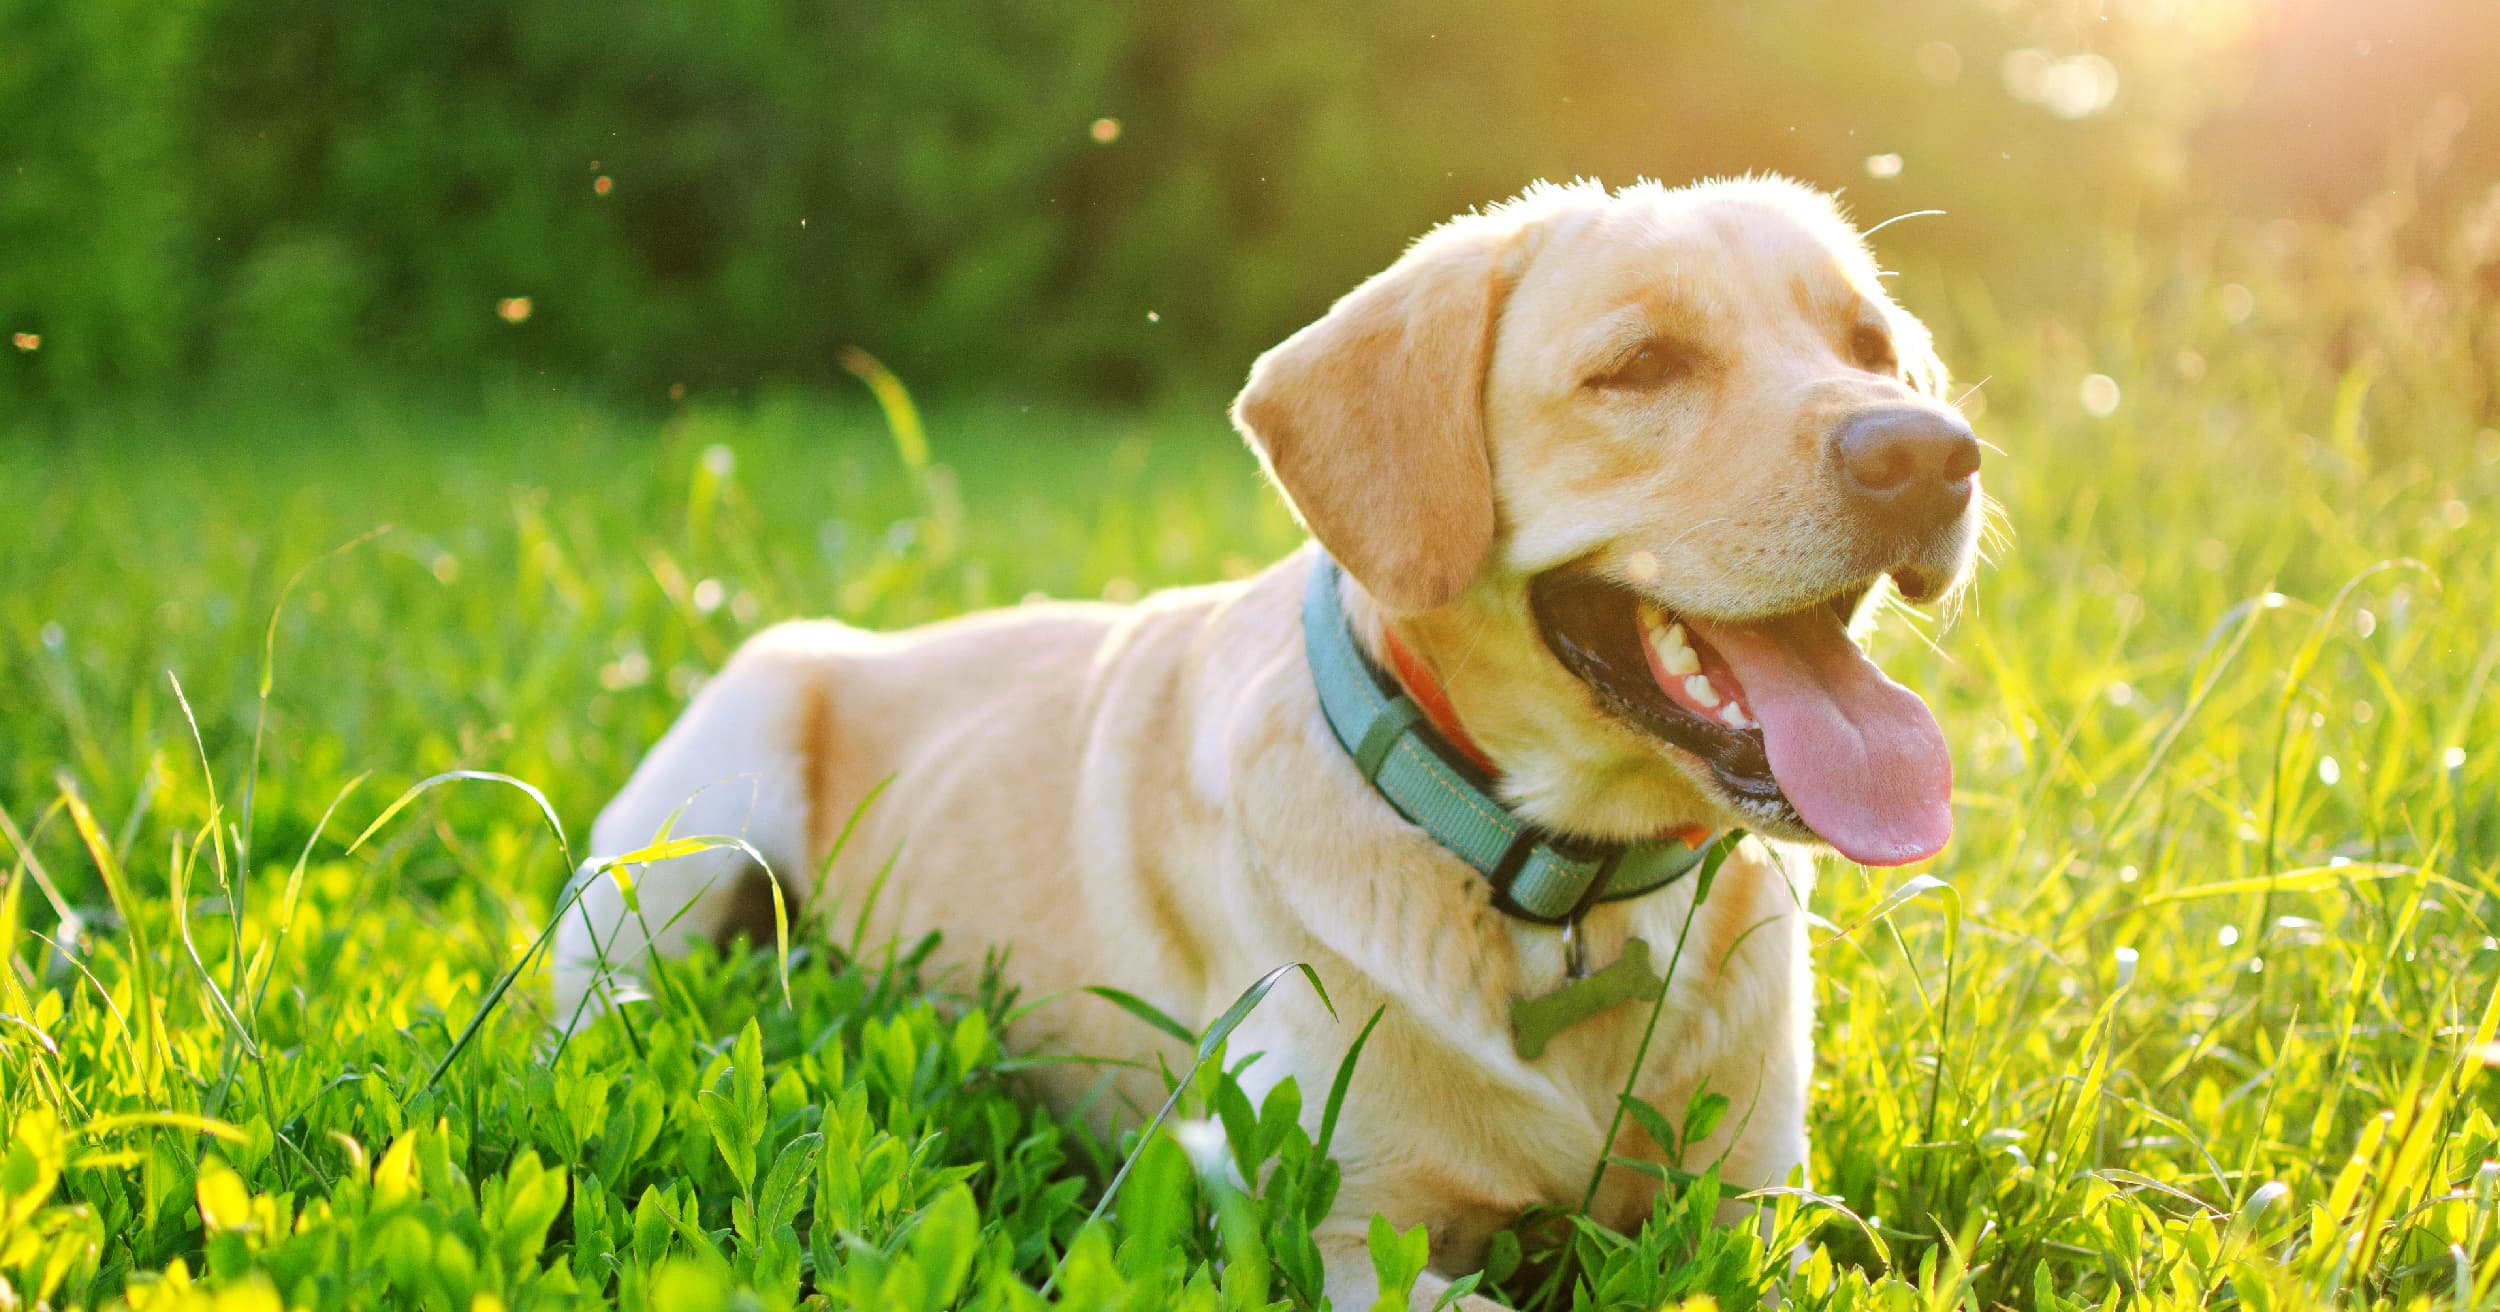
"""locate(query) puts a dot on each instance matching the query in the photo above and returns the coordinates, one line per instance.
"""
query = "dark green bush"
(292, 188)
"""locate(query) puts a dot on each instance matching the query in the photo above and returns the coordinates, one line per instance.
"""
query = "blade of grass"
(1702, 880)
(148, 1000)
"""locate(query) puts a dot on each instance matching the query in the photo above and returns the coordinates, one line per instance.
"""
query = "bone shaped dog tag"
(1535, 1021)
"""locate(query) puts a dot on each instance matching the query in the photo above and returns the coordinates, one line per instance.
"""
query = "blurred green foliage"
(1068, 200)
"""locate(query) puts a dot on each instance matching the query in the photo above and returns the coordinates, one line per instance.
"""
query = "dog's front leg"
(741, 763)
(1353, 1286)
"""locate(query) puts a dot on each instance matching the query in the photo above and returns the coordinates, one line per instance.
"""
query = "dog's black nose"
(1912, 466)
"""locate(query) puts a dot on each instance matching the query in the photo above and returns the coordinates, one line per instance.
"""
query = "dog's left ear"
(1372, 419)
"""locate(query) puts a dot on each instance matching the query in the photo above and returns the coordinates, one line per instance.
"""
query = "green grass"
(2194, 1011)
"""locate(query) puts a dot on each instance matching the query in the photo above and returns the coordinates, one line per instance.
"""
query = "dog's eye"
(1873, 350)
(1655, 363)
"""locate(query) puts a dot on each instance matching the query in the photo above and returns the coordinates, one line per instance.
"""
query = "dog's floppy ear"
(1372, 419)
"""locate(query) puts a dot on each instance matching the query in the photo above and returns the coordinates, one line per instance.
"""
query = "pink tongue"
(1857, 754)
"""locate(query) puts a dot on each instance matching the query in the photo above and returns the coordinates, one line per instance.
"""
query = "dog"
(1599, 482)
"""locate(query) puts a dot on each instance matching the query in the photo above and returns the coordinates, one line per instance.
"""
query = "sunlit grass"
(2186, 1016)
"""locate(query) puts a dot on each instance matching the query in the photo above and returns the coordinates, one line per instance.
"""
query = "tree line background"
(1091, 202)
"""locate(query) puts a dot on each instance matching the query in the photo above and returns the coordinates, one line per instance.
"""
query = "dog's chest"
(1734, 977)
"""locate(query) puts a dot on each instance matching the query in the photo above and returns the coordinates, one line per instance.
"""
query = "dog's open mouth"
(1802, 732)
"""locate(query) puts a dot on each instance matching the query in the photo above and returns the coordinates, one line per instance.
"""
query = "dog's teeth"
(1674, 654)
(1735, 717)
(1698, 688)
(1671, 656)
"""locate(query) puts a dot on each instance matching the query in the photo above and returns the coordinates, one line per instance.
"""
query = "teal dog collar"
(1536, 874)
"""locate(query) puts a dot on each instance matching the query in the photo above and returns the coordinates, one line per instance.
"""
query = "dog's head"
(1640, 458)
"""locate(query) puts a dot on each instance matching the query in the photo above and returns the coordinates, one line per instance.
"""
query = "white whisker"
(1913, 214)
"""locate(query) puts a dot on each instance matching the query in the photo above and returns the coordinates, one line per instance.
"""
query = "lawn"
(2197, 1009)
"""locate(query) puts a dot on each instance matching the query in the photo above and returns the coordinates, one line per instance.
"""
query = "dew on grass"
(708, 595)
(2126, 959)
(1883, 166)
(1104, 131)
(513, 309)
(2363, 711)
(2227, 935)
(26, 341)
(2329, 772)
(2364, 623)
(602, 185)
(2099, 394)
(446, 568)
(630, 670)
(2070, 87)
(2129, 874)
(2236, 303)
(2453, 758)
(2080, 87)
(2454, 514)
(719, 461)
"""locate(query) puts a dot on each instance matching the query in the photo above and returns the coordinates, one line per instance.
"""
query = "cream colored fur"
(1146, 797)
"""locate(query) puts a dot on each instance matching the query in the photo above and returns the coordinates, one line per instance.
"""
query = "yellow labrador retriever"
(1599, 482)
